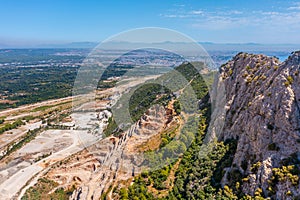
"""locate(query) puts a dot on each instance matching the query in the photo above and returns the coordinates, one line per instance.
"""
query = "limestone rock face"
(261, 109)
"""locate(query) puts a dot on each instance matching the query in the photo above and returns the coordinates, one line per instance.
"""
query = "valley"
(175, 135)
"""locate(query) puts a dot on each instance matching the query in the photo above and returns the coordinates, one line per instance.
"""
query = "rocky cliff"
(257, 103)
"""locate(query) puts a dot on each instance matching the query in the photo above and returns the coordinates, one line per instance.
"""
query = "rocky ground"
(258, 101)
(59, 128)
(112, 160)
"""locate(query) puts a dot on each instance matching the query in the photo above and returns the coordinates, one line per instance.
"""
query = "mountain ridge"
(261, 112)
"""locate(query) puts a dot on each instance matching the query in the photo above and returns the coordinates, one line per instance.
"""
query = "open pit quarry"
(63, 137)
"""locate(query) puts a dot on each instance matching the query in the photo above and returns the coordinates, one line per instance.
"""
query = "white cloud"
(197, 12)
(269, 13)
(286, 19)
(174, 16)
(210, 20)
(276, 23)
(169, 16)
(217, 22)
(179, 5)
(296, 6)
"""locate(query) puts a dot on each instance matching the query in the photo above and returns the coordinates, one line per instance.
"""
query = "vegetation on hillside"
(185, 79)
(42, 191)
(197, 177)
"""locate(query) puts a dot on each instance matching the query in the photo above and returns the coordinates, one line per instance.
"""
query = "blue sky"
(221, 21)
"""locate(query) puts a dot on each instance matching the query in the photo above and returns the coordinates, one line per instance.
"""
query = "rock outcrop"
(112, 160)
(257, 102)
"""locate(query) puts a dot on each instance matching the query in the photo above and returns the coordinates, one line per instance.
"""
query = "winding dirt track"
(10, 187)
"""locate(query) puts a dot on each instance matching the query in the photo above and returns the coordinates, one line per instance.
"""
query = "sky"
(25, 22)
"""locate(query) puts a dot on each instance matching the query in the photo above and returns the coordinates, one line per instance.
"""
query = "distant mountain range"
(209, 46)
(62, 45)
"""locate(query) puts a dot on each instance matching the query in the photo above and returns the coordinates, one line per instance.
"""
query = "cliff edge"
(261, 111)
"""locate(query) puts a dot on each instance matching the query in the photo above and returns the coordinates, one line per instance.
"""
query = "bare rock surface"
(257, 102)
(110, 161)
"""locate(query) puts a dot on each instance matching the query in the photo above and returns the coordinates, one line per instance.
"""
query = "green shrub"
(255, 167)
(285, 173)
(177, 107)
(11, 126)
(290, 79)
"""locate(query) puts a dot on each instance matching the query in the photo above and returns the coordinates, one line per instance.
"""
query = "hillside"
(164, 123)
(251, 148)
(243, 143)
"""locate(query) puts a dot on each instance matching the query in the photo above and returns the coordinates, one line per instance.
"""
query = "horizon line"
(91, 44)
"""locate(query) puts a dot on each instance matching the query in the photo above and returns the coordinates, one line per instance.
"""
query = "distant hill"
(70, 45)
(74, 45)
